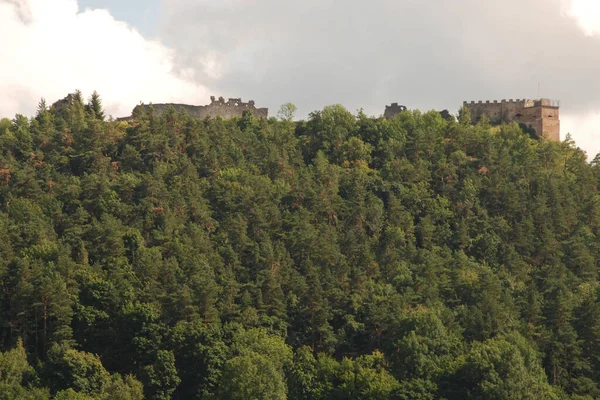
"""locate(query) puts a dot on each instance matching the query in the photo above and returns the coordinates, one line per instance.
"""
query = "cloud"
(50, 49)
(424, 54)
(587, 14)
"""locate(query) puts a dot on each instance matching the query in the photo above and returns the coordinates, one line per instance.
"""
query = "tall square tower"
(542, 115)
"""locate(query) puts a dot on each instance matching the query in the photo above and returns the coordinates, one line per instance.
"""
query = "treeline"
(341, 257)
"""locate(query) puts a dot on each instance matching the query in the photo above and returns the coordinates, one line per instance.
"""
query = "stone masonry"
(393, 109)
(234, 107)
(541, 114)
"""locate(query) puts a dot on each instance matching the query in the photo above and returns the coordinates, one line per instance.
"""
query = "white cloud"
(584, 129)
(311, 53)
(424, 54)
(584, 126)
(49, 49)
(587, 14)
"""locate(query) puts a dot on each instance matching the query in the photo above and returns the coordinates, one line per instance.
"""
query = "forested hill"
(342, 257)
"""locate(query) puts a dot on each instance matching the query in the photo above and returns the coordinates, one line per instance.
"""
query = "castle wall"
(496, 111)
(550, 123)
(392, 110)
(217, 108)
(530, 116)
(541, 115)
(493, 111)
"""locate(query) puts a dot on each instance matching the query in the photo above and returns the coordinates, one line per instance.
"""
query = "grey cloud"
(422, 53)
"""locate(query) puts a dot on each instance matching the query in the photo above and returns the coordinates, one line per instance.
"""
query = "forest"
(343, 256)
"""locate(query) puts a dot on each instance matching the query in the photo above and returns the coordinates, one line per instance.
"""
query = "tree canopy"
(340, 257)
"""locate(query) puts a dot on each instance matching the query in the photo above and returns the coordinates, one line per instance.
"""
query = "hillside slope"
(342, 257)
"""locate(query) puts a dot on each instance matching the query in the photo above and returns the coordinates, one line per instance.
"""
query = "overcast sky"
(426, 54)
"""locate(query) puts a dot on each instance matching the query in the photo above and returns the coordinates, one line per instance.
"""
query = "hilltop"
(341, 257)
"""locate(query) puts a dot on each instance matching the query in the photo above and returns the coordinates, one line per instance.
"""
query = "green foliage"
(17, 376)
(256, 367)
(161, 376)
(79, 375)
(78, 370)
(286, 112)
(95, 106)
(464, 116)
(342, 257)
(503, 368)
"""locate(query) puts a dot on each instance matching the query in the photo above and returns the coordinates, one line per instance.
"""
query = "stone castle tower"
(541, 115)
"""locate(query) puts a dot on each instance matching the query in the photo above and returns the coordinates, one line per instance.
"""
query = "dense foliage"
(342, 257)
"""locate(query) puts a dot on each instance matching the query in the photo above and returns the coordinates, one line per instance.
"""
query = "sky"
(424, 54)
(141, 14)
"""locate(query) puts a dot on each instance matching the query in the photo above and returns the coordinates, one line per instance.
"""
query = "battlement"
(509, 101)
(524, 102)
(218, 107)
(542, 115)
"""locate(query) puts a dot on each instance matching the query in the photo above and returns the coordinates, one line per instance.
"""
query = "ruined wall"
(234, 107)
(392, 110)
(541, 114)
(62, 104)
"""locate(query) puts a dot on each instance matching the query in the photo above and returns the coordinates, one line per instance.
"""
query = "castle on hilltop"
(541, 115)
(234, 107)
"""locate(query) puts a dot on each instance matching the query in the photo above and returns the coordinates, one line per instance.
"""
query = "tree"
(161, 377)
(286, 112)
(95, 106)
(252, 376)
(345, 256)
(464, 115)
(16, 376)
(70, 368)
(200, 355)
(256, 367)
(502, 368)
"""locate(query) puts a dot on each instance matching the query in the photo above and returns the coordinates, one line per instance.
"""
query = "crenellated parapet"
(503, 101)
(523, 102)
(540, 114)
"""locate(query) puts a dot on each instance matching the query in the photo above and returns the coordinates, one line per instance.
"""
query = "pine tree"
(95, 106)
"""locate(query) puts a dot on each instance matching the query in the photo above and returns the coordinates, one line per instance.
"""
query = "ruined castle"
(234, 107)
(540, 115)
(395, 108)
(392, 110)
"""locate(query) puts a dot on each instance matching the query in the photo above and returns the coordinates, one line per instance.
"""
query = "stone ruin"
(63, 104)
(541, 115)
(233, 107)
(392, 110)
